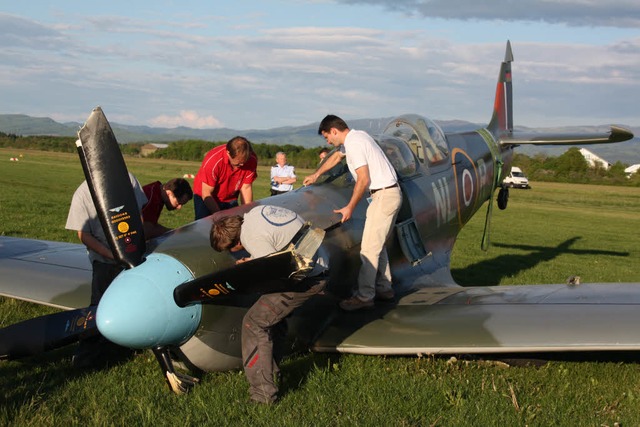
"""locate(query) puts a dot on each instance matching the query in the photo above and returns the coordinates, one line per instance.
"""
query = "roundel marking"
(465, 183)
(467, 187)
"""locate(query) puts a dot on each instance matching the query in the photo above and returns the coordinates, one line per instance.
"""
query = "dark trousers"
(201, 210)
(96, 351)
(102, 276)
(260, 328)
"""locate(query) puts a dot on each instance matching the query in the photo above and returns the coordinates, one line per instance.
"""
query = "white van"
(516, 179)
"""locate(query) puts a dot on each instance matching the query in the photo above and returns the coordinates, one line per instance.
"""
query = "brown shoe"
(386, 295)
(355, 303)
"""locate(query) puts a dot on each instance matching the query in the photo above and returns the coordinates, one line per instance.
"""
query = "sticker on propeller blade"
(217, 289)
(121, 221)
(130, 246)
(79, 322)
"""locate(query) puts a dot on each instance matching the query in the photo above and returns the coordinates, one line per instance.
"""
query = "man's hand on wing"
(310, 179)
(345, 212)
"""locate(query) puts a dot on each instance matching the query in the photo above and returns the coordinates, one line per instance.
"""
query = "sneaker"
(385, 295)
(355, 303)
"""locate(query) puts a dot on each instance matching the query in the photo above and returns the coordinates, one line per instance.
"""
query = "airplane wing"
(50, 273)
(500, 319)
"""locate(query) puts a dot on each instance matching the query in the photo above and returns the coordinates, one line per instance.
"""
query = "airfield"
(546, 235)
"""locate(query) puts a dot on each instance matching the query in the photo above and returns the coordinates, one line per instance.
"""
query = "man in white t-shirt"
(374, 174)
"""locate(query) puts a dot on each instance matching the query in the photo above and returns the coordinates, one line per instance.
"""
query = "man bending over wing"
(262, 231)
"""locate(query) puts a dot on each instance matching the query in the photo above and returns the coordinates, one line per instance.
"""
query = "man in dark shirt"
(172, 195)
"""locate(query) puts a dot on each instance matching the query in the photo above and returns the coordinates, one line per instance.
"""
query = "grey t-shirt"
(268, 229)
(84, 217)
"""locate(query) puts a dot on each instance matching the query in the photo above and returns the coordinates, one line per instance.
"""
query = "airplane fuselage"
(441, 193)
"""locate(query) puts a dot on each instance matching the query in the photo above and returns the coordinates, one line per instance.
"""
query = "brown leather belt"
(384, 188)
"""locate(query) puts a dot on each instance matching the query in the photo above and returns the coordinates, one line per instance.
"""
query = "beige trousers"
(381, 216)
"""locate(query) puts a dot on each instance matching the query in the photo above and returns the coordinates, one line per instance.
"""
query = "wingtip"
(620, 134)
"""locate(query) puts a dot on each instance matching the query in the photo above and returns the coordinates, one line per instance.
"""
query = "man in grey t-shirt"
(262, 231)
(83, 218)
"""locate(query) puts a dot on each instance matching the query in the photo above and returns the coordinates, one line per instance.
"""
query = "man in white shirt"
(373, 173)
(283, 176)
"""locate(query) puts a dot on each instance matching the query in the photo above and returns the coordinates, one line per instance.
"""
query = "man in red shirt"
(173, 194)
(226, 172)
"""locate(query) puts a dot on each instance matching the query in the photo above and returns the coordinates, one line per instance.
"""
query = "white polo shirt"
(285, 171)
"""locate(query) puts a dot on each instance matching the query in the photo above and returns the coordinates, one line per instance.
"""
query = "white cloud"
(149, 72)
(187, 118)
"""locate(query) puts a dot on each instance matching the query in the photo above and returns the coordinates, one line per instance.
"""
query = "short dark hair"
(225, 233)
(180, 188)
(330, 122)
(239, 145)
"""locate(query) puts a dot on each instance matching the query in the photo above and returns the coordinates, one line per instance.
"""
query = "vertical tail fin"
(502, 120)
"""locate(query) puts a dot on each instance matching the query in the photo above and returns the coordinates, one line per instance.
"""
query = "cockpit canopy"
(407, 141)
(425, 138)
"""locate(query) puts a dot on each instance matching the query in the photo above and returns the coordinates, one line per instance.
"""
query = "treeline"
(568, 167)
(193, 150)
(65, 144)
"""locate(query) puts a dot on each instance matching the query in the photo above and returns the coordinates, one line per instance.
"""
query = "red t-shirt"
(216, 172)
(151, 211)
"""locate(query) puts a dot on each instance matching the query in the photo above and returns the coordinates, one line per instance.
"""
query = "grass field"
(547, 234)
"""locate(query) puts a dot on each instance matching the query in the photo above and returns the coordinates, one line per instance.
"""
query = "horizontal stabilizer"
(616, 134)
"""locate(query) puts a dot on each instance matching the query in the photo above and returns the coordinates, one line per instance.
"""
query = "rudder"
(502, 120)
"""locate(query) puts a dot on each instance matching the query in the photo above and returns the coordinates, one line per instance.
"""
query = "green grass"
(545, 235)
(552, 232)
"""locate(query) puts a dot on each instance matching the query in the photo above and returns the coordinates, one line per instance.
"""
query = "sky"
(256, 64)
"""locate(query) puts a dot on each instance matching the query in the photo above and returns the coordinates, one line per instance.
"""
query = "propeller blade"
(262, 275)
(278, 272)
(111, 189)
(44, 333)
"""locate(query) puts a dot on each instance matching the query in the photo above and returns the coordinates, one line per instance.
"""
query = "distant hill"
(306, 136)
(19, 124)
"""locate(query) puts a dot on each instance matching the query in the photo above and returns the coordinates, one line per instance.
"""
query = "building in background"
(594, 160)
(147, 149)
(632, 169)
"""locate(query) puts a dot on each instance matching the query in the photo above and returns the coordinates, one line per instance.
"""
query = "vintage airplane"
(181, 299)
